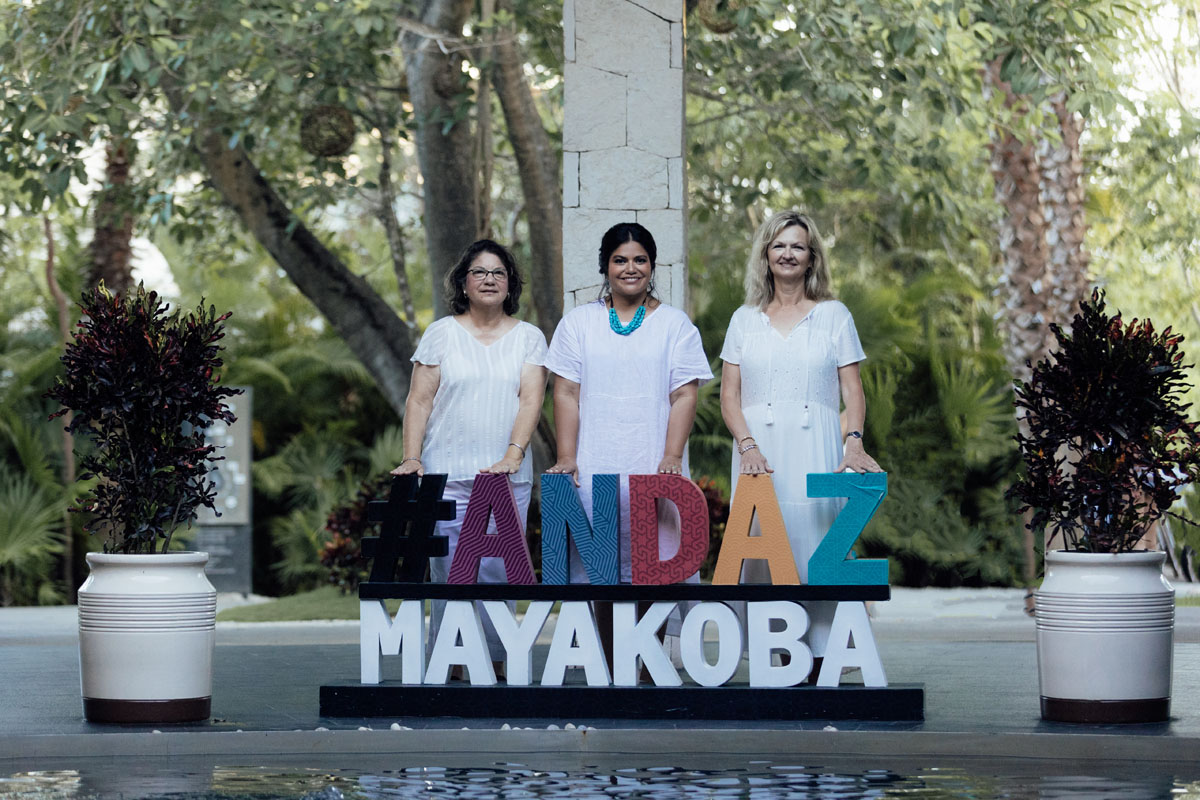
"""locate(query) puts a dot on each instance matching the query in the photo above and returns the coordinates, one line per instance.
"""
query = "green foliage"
(142, 385)
(1109, 443)
(30, 535)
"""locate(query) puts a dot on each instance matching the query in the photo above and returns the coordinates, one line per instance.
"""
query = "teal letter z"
(829, 565)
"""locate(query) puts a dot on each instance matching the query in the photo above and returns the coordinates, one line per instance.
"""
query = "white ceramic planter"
(147, 626)
(1105, 637)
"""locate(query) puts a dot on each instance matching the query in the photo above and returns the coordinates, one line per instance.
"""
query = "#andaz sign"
(774, 620)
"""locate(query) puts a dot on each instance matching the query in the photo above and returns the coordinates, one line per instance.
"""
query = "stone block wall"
(623, 157)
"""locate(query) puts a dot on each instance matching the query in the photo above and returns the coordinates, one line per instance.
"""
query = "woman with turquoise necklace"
(628, 371)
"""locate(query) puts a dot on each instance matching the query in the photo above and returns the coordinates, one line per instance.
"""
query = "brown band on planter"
(192, 709)
(1057, 709)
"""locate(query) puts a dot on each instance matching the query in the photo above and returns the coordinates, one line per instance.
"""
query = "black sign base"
(898, 702)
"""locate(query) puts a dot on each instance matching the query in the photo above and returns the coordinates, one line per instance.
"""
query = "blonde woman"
(791, 359)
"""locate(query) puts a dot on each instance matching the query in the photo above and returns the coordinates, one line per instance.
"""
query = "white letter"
(763, 640)
(459, 619)
(575, 644)
(729, 643)
(518, 639)
(633, 637)
(850, 620)
(377, 635)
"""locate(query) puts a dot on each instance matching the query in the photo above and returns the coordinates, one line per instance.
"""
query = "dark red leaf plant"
(1109, 442)
(143, 384)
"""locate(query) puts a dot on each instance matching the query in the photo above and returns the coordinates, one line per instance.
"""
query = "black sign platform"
(394, 699)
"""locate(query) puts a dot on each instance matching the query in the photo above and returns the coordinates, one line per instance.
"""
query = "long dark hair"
(618, 235)
(456, 293)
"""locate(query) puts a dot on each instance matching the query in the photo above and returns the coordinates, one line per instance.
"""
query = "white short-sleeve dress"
(470, 427)
(625, 383)
(791, 399)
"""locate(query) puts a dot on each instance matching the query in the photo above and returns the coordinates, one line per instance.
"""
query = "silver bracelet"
(743, 450)
(411, 458)
(522, 449)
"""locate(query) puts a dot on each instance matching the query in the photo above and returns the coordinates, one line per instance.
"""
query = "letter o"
(729, 643)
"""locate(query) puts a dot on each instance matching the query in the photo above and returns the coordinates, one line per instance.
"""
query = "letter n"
(596, 541)
(755, 494)
(491, 495)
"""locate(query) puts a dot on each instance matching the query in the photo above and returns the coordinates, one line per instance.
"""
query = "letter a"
(755, 493)
(644, 492)
(492, 495)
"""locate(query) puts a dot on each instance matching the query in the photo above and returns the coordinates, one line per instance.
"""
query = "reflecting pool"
(793, 778)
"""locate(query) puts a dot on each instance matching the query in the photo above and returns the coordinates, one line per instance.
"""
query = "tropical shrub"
(1108, 443)
(143, 384)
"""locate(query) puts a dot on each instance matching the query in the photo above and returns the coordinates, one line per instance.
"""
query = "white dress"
(469, 429)
(625, 383)
(791, 399)
(477, 396)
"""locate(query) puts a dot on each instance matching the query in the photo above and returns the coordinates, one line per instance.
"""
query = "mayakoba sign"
(774, 621)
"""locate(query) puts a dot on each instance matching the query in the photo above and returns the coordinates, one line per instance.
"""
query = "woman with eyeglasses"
(475, 398)
(791, 359)
(628, 369)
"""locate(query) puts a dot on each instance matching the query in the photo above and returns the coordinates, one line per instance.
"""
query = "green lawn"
(1191, 600)
(324, 603)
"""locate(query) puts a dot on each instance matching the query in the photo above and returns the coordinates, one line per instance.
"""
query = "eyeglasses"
(480, 275)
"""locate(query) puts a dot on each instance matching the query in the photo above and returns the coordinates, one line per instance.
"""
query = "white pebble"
(570, 726)
(156, 731)
(552, 727)
(583, 727)
(395, 726)
(321, 728)
(829, 728)
(362, 728)
(506, 727)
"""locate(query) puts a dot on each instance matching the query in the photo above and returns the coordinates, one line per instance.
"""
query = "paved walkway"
(972, 649)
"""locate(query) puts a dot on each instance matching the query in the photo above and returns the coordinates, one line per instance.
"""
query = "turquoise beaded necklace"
(614, 321)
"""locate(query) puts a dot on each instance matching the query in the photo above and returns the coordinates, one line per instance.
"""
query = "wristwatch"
(855, 434)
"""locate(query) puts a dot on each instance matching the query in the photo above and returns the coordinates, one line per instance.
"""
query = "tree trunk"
(445, 147)
(537, 163)
(484, 155)
(1040, 187)
(373, 331)
(111, 250)
(68, 439)
(386, 212)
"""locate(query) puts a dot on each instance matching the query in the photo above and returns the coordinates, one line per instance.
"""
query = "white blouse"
(477, 396)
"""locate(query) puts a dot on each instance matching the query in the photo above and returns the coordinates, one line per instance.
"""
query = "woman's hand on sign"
(566, 466)
(671, 465)
(410, 466)
(856, 458)
(755, 463)
(505, 466)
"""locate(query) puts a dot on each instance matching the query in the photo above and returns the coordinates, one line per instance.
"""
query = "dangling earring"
(650, 286)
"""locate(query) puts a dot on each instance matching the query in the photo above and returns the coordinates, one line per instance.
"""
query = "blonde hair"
(760, 283)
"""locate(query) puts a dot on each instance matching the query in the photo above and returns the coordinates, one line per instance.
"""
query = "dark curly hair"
(456, 293)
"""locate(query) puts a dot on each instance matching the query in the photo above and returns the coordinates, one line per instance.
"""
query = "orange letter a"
(755, 493)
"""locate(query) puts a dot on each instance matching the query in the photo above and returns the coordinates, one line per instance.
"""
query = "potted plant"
(142, 384)
(1107, 444)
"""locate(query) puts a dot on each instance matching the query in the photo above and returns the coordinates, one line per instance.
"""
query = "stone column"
(623, 138)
